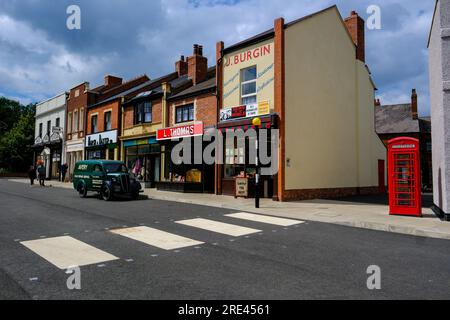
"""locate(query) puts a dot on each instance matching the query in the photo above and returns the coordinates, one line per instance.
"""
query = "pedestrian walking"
(32, 174)
(41, 173)
(64, 168)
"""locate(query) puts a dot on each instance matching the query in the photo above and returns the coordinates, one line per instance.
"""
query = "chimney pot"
(197, 65)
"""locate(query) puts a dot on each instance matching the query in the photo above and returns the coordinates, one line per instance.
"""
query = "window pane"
(191, 113)
(185, 114)
(249, 74)
(248, 88)
(249, 100)
(179, 111)
(147, 112)
(94, 124)
(108, 121)
(148, 117)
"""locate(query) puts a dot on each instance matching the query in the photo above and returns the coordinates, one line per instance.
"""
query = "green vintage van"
(108, 178)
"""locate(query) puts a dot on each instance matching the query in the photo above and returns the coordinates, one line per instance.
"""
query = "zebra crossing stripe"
(156, 238)
(264, 219)
(65, 252)
(219, 227)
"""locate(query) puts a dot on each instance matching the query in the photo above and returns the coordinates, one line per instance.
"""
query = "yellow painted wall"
(371, 148)
(142, 130)
(329, 105)
(265, 70)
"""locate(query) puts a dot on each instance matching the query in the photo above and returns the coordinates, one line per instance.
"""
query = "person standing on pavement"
(32, 174)
(41, 173)
(64, 168)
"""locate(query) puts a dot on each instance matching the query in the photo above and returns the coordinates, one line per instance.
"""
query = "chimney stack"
(112, 81)
(181, 67)
(197, 65)
(355, 25)
(414, 113)
(377, 103)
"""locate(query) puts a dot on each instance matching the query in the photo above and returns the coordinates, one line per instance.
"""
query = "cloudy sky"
(40, 57)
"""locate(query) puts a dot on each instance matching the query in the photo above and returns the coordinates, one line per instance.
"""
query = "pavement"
(154, 249)
(365, 213)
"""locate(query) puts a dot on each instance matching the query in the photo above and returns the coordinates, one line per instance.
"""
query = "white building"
(49, 134)
(439, 66)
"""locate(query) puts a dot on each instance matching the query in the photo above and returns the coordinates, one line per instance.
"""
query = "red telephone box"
(404, 177)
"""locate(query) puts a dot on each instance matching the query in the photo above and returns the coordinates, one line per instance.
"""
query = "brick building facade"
(103, 120)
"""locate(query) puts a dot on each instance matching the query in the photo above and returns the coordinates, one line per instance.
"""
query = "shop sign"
(101, 139)
(57, 129)
(241, 187)
(247, 111)
(248, 55)
(186, 131)
(263, 108)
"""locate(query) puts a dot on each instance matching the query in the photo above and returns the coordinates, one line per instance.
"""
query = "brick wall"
(128, 119)
(114, 106)
(205, 109)
(78, 99)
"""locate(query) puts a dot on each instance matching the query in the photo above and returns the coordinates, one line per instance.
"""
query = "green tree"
(9, 114)
(16, 152)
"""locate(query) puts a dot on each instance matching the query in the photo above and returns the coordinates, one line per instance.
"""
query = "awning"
(139, 142)
(245, 127)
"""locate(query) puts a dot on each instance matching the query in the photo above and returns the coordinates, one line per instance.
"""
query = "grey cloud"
(128, 38)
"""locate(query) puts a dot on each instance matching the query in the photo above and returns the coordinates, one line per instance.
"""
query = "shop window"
(248, 86)
(143, 112)
(97, 154)
(144, 161)
(237, 158)
(107, 121)
(94, 128)
(184, 113)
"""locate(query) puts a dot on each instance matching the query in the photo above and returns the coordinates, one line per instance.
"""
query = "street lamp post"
(257, 123)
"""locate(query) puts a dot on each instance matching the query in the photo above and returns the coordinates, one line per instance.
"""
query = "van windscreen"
(115, 168)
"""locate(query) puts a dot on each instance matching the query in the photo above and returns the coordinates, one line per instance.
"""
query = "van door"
(97, 177)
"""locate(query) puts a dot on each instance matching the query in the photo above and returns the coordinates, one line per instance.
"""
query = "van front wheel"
(107, 194)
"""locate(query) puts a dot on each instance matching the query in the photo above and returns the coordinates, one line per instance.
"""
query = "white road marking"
(219, 227)
(264, 219)
(157, 238)
(65, 252)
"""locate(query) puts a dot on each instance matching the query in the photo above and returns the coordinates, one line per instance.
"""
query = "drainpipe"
(121, 126)
(165, 123)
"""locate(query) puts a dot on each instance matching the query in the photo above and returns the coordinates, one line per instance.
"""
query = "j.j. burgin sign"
(103, 138)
